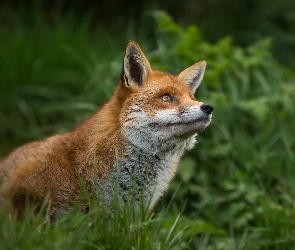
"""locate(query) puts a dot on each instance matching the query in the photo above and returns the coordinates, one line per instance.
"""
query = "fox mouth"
(186, 123)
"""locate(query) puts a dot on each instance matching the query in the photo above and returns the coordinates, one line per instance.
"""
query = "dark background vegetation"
(245, 20)
(61, 60)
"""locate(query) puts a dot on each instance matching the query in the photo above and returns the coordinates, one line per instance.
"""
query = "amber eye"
(167, 98)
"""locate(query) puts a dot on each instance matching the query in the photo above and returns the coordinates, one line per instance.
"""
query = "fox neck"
(98, 139)
(146, 172)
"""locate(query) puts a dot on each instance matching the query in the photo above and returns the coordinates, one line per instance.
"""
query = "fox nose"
(207, 108)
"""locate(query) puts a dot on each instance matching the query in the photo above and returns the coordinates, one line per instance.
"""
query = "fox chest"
(149, 175)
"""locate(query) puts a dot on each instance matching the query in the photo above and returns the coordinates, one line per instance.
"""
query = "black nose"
(206, 108)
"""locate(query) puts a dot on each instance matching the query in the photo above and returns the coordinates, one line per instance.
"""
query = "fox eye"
(167, 98)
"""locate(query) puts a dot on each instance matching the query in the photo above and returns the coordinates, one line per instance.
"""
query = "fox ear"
(193, 75)
(136, 67)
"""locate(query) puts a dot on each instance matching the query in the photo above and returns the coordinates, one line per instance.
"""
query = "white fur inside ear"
(193, 75)
(136, 66)
(194, 78)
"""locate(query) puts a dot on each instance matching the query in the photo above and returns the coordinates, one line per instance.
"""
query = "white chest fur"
(149, 174)
(167, 168)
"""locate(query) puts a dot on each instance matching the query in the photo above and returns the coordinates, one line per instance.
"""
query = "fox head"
(161, 110)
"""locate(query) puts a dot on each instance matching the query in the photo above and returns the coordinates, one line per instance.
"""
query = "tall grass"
(52, 77)
(112, 227)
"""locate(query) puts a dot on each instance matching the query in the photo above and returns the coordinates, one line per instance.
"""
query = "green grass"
(238, 184)
(100, 228)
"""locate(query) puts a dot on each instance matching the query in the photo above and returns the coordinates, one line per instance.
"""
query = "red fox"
(142, 131)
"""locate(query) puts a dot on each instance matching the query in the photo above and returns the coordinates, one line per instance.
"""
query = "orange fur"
(50, 168)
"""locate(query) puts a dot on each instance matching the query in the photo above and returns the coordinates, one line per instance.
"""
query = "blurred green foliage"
(247, 155)
(238, 184)
(247, 21)
(44, 67)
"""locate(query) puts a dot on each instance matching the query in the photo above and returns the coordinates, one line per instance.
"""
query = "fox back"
(138, 136)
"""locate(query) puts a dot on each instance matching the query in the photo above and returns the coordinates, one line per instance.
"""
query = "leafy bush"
(239, 174)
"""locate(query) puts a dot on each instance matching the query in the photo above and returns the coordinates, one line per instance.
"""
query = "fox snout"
(207, 108)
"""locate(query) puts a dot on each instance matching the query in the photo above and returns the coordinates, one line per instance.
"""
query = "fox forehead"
(160, 83)
(147, 98)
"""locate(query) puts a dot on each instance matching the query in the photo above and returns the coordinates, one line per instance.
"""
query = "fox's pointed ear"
(193, 75)
(136, 67)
